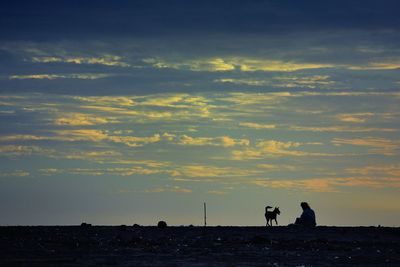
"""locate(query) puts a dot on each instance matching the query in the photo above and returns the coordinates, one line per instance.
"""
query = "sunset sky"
(123, 112)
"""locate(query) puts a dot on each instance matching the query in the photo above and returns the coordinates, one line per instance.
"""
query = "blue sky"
(131, 112)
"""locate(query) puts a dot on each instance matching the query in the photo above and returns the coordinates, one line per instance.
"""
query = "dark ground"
(198, 246)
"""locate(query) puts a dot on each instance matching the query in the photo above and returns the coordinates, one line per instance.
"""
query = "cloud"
(329, 184)
(340, 129)
(320, 81)
(21, 137)
(276, 167)
(249, 82)
(99, 156)
(16, 173)
(377, 66)
(82, 76)
(210, 171)
(244, 64)
(81, 119)
(124, 101)
(376, 170)
(375, 145)
(257, 125)
(224, 141)
(107, 60)
(210, 64)
(23, 150)
(104, 171)
(98, 136)
(354, 117)
(166, 109)
(111, 110)
(172, 107)
(173, 189)
(251, 64)
(80, 135)
(268, 148)
(275, 148)
(253, 101)
(217, 192)
(94, 135)
(91, 135)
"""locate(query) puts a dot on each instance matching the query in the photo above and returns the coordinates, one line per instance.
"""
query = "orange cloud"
(329, 184)
(376, 145)
(174, 189)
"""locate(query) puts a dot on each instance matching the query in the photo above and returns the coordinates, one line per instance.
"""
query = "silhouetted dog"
(271, 215)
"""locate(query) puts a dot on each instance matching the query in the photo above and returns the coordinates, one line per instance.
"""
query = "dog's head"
(277, 210)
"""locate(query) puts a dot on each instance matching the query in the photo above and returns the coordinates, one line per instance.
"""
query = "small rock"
(86, 224)
(162, 224)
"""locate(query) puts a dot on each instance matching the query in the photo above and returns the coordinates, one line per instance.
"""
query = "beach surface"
(198, 246)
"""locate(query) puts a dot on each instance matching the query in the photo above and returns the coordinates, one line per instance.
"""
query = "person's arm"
(303, 215)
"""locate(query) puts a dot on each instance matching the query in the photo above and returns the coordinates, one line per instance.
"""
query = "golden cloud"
(210, 64)
(107, 60)
(341, 129)
(376, 145)
(276, 167)
(381, 170)
(257, 125)
(16, 173)
(104, 171)
(354, 117)
(377, 66)
(210, 171)
(217, 192)
(244, 64)
(329, 184)
(274, 148)
(173, 189)
(225, 141)
(81, 119)
(320, 81)
(82, 76)
(21, 137)
(124, 101)
(20, 150)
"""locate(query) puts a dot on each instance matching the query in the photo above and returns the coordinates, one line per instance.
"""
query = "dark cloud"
(42, 20)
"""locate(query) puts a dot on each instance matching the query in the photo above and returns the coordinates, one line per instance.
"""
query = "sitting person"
(307, 218)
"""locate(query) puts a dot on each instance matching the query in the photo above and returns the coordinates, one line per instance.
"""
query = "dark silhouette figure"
(271, 215)
(162, 224)
(307, 218)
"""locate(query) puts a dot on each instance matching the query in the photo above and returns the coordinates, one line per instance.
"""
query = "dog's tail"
(267, 207)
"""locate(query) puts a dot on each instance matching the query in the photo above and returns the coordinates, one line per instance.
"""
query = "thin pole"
(205, 214)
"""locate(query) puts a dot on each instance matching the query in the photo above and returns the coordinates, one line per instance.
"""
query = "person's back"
(307, 218)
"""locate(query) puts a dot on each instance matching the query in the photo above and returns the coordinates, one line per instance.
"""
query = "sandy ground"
(198, 246)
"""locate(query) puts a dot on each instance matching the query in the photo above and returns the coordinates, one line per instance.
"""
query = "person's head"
(304, 205)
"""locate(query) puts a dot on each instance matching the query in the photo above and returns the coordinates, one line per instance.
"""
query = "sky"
(123, 112)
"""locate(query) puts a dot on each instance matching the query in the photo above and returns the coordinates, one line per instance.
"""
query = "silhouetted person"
(307, 218)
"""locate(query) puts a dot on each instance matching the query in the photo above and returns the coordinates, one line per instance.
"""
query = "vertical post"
(205, 214)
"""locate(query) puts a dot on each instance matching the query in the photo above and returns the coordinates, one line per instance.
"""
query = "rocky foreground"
(198, 246)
